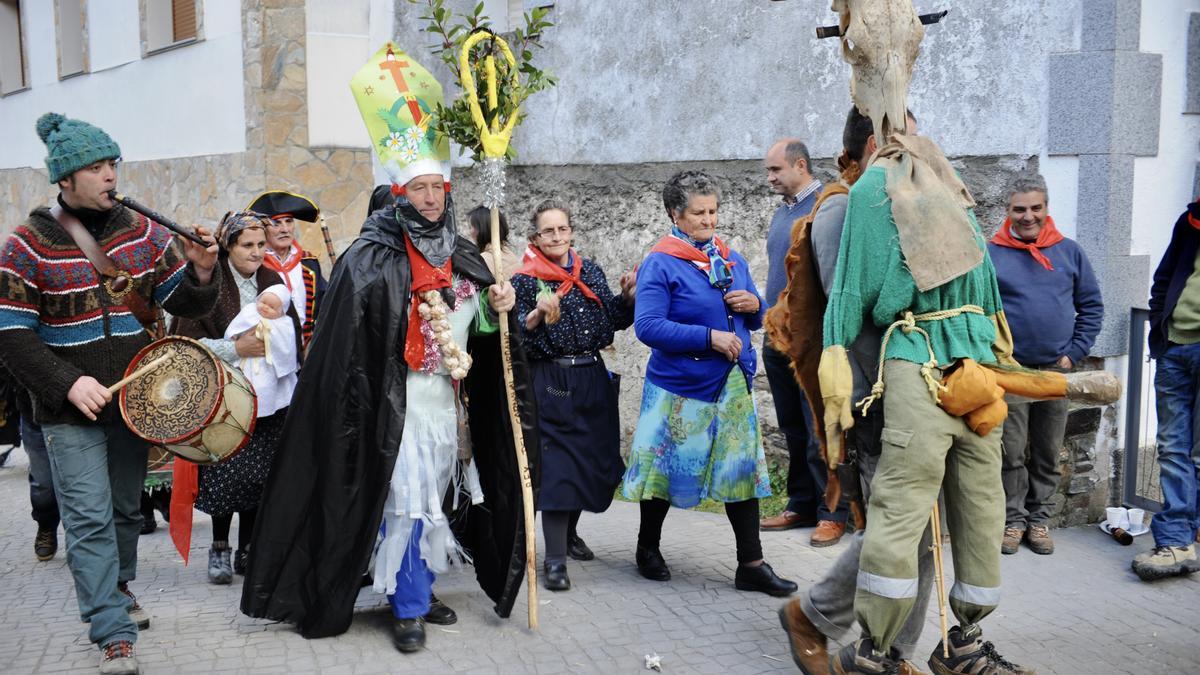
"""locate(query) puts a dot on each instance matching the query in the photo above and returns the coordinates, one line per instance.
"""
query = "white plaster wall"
(179, 103)
(1163, 184)
(337, 44)
(678, 80)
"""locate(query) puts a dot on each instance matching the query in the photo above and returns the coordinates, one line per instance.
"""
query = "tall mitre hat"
(397, 98)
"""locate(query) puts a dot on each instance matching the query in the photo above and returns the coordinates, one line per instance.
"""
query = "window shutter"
(183, 19)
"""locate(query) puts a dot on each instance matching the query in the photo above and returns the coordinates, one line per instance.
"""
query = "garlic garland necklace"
(435, 310)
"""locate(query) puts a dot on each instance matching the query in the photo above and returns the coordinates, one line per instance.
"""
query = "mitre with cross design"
(397, 98)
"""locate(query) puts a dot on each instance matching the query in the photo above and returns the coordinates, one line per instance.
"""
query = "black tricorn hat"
(277, 203)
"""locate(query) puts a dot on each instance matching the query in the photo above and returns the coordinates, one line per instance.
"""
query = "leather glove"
(837, 388)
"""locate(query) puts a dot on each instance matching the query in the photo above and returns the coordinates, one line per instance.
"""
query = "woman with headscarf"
(568, 314)
(698, 436)
(235, 485)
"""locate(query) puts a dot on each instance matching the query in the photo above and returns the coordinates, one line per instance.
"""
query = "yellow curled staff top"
(495, 140)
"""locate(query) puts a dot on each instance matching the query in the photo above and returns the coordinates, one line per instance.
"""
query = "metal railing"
(1141, 488)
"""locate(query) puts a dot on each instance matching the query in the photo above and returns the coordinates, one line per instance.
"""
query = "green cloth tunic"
(872, 283)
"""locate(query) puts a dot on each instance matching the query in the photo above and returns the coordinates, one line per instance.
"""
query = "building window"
(169, 23)
(12, 48)
(71, 20)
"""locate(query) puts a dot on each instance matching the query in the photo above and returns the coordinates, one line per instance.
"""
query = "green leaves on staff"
(452, 30)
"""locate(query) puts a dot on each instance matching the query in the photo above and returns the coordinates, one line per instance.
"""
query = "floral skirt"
(686, 450)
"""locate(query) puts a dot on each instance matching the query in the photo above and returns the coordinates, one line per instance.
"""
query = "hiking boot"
(763, 579)
(118, 659)
(240, 560)
(440, 613)
(1038, 538)
(1012, 539)
(139, 616)
(808, 644)
(909, 668)
(651, 565)
(408, 635)
(579, 550)
(220, 569)
(970, 654)
(860, 657)
(827, 533)
(1166, 561)
(45, 544)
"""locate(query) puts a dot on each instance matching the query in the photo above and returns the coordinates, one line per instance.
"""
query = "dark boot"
(408, 634)
(148, 523)
(970, 654)
(220, 569)
(860, 657)
(439, 613)
(45, 544)
(554, 576)
(651, 565)
(240, 560)
(763, 579)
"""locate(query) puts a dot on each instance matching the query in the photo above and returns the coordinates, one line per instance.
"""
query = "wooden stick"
(153, 365)
(328, 241)
(936, 526)
(518, 435)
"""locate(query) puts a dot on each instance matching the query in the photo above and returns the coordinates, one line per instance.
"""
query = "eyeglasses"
(551, 231)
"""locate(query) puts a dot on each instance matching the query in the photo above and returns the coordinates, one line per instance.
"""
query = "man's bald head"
(788, 166)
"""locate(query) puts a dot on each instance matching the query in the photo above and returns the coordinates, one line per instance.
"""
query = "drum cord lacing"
(908, 324)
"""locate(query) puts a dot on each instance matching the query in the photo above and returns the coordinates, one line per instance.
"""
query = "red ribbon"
(425, 277)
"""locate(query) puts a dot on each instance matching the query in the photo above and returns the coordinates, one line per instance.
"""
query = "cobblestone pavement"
(1078, 611)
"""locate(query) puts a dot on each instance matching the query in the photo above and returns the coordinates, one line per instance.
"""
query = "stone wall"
(618, 215)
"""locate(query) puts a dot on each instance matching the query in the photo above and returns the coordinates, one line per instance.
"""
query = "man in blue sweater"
(789, 174)
(1054, 309)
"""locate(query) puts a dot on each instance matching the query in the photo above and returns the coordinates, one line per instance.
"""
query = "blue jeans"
(98, 474)
(41, 477)
(1176, 383)
(414, 581)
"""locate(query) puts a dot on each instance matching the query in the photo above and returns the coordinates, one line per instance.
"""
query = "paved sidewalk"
(1078, 611)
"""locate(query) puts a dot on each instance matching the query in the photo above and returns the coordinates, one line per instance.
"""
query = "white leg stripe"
(976, 595)
(887, 587)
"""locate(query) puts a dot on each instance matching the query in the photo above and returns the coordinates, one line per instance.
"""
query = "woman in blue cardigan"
(697, 435)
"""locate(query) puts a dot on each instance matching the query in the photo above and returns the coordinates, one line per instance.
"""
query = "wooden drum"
(196, 406)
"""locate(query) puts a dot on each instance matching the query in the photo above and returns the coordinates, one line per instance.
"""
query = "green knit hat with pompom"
(73, 144)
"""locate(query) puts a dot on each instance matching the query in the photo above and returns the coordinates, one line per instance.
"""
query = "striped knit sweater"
(57, 323)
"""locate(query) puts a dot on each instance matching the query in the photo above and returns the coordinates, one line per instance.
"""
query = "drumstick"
(140, 372)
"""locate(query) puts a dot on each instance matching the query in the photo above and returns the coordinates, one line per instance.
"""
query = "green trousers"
(925, 449)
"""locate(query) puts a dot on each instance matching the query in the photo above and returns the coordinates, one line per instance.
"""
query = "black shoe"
(762, 579)
(651, 565)
(554, 576)
(860, 657)
(45, 544)
(439, 613)
(408, 634)
(240, 560)
(149, 525)
(579, 550)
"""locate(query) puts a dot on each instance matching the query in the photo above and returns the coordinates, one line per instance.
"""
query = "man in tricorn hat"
(301, 270)
(78, 283)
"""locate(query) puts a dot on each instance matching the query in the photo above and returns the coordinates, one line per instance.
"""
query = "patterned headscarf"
(234, 223)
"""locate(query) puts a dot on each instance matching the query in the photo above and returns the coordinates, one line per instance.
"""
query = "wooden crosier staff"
(495, 146)
(935, 521)
(328, 241)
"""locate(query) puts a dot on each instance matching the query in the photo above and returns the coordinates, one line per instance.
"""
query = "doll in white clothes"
(273, 375)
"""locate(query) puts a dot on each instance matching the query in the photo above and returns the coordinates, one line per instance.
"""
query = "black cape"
(323, 502)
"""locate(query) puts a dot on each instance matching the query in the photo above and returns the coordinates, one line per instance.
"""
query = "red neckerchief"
(1049, 236)
(535, 264)
(678, 248)
(1193, 213)
(425, 277)
(272, 262)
